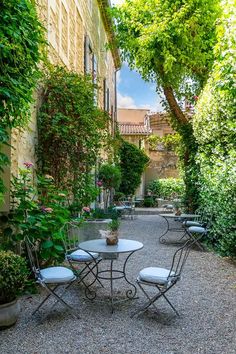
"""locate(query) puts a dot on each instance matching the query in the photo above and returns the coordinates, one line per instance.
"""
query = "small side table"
(180, 218)
(111, 253)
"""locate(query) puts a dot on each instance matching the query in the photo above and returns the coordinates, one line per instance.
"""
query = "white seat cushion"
(56, 275)
(189, 223)
(155, 275)
(197, 230)
(82, 256)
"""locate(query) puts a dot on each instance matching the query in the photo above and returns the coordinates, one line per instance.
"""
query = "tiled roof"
(133, 129)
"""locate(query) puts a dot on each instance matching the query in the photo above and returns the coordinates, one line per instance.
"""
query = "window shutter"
(108, 100)
(86, 54)
(104, 94)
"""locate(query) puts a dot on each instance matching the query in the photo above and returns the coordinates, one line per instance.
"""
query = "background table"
(111, 253)
(179, 228)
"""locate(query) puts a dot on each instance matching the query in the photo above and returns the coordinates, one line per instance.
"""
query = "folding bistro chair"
(163, 279)
(81, 262)
(49, 278)
(195, 233)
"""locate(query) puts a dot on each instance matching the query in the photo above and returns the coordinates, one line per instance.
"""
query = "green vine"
(72, 130)
(21, 40)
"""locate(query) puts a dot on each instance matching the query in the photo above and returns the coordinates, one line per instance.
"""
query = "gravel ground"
(205, 298)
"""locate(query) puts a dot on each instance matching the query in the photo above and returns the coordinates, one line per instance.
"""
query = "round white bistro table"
(111, 253)
(180, 228)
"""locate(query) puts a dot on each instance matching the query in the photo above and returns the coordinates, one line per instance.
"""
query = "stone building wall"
(66, 23)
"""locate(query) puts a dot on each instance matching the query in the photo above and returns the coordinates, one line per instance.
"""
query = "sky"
(132, 91)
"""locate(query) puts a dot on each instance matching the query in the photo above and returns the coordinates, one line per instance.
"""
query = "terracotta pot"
(112, 239)
(9, 313)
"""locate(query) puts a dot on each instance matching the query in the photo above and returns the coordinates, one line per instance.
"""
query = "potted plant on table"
(112, 237)
(13, 277)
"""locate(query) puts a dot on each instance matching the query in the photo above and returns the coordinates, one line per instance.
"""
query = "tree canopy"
(169, 42)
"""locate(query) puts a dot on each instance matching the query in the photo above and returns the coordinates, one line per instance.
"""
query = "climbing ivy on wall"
(215, 131)
(72, 129)
(21, 40)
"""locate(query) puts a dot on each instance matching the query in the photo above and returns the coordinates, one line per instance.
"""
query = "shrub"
(38, 213)
(167, 188)
(214, 129)
(13, 276)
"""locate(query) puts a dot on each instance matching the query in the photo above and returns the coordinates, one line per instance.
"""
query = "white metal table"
(111, 253)
(179, 228)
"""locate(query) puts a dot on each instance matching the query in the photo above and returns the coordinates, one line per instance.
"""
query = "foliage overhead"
(72, 130)
(132, 164)
(216, 112)
(169, 41)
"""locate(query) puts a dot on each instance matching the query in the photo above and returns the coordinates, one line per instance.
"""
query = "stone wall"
(66, 23)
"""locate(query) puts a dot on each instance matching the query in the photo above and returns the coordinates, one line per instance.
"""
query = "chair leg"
(166, 298)
(147, 304)
(58, 299)
(195, 240)
(153, 299)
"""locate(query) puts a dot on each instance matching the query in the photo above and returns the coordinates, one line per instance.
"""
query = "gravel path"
(205, 298)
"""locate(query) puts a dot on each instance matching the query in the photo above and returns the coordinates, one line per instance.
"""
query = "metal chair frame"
(71, 244)
(32, 252)
(177, 265)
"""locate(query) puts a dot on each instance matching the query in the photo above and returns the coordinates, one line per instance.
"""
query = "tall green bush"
(214, 129)
(132, 164)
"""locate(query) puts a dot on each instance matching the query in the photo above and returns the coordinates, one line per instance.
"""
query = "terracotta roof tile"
(133, 129)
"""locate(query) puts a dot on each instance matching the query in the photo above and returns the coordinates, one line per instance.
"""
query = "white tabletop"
(100, 246)
(182, 216)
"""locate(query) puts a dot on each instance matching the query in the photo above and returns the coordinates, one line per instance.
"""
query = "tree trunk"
(174, 106)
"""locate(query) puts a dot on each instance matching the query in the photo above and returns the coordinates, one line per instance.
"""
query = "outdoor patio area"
(204, 297)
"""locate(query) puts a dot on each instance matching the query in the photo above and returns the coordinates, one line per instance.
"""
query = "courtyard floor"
(205, 298)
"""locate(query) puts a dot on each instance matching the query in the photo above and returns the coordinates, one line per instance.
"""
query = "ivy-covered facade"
(77, 36)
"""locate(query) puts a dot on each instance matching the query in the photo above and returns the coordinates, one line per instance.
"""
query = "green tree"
(171, 43)
(132, 164)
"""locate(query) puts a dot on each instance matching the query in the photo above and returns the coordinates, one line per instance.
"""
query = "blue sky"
(132, 91)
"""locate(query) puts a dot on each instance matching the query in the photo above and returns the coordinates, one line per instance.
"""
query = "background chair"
(81, 262)
(163, 279)
(195, 233)
(49, 278)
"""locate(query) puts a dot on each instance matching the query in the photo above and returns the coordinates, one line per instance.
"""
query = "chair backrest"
(70, 236)
(180, 258)
(32, 252)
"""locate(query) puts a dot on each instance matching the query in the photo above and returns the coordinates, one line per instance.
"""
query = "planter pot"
(9, 313)
(112, 239)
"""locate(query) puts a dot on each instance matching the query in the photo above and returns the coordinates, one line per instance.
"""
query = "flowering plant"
(38, 213)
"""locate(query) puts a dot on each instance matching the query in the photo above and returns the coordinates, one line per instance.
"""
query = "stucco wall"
(66, 23)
